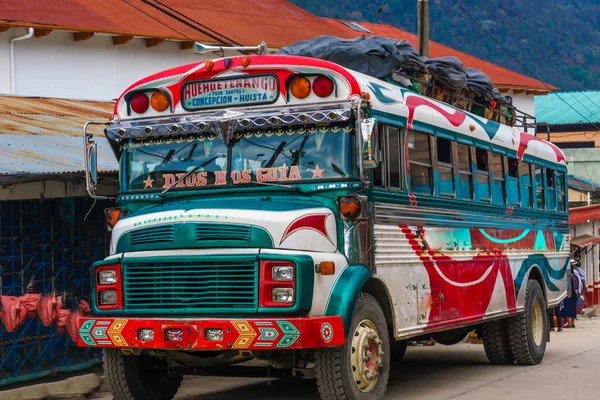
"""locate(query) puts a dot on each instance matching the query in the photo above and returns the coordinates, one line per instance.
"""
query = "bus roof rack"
(200, 48)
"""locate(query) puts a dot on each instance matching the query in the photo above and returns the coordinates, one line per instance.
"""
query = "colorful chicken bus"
(289, 210)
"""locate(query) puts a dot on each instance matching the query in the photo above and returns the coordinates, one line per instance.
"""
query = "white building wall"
(57, 66)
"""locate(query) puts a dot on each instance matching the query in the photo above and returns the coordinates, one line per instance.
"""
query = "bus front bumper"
(211, 334)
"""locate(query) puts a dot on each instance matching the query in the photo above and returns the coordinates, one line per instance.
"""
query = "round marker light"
(322, 86)
(350, 207)
(159, 101)
(139, 103)
(300, 87)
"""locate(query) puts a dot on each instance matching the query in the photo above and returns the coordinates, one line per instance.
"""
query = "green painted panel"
(345, 291)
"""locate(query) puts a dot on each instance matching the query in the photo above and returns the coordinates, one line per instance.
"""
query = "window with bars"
(444, 166)
(512, 183)
(482, 175)
(498, 179)
(419, 155)
(526, 184)
(465, 188)
(539, 186)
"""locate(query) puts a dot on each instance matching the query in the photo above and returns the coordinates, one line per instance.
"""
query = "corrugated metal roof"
(49, 116)
(48, 155)
(501, 77)
(583, 107)
(44, 135)
(243, 21)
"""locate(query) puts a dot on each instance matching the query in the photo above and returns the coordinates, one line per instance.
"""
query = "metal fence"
(47, 246)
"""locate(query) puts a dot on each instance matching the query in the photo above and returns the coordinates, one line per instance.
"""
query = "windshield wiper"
(191, 171)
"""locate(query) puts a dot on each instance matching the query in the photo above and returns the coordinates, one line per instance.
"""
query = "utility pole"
(423, 11)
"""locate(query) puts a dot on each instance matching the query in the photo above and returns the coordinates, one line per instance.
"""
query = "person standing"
(571, 300)
(556, 312)
(581, 301)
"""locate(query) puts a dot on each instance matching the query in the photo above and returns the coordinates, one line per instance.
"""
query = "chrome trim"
(223, 123)
(87, 139)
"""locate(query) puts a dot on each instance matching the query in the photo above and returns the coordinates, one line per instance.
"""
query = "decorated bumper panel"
(254, 334)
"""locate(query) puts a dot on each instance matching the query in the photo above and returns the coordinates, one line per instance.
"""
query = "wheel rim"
(537, 323)
(367, 355)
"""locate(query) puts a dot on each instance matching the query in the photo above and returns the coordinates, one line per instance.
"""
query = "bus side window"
(394, 153)
(539, 186)
(498, 176)
(550, 189)
(380, 173)
(444, 166)
(512, 184)
(465, 190)
(482, 175)
(560, 187)
(526, 185)
(419, 155)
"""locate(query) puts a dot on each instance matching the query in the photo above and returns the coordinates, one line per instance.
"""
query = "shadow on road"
(421, 367)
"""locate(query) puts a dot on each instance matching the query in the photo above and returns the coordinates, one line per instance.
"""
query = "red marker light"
(322, 86)
(139, 103)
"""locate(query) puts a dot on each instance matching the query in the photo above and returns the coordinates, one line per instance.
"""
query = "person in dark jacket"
(571, 300)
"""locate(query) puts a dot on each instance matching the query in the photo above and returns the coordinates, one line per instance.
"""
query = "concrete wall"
(584, 163)
(57, 66)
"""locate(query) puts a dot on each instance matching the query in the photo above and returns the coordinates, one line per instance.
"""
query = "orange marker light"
(159, 101)
(350, 207)
(300, 87)
(327, 268)
(113, 215)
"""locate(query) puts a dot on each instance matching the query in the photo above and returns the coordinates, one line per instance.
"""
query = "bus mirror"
(91, 160)
(370, 138)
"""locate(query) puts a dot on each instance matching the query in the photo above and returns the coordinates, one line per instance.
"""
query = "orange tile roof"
(501, 77)
(246, 22)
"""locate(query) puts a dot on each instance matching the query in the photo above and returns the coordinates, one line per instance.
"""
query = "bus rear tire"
(139, 377)
(360, 368)
(495, 342)
(527, 333)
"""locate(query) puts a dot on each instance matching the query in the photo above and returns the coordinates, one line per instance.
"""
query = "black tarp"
(448, 70)
(375, 55)
(480, 84)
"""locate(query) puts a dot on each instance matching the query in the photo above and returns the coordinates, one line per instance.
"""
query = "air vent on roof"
(356, 26)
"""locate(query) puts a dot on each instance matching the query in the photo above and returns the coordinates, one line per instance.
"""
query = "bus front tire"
(360, 368)
(139, 377)
(527, 333)
(495, 342)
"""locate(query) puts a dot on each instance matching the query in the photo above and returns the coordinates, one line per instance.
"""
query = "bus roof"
(213, 85)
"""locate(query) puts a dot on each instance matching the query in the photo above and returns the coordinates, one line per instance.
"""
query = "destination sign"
(238, 91)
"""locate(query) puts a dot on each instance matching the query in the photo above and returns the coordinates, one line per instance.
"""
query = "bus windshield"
(287, 155)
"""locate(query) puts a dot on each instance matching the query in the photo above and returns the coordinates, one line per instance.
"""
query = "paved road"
(571, 370)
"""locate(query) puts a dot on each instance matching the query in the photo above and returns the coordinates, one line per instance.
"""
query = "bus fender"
(345, 291)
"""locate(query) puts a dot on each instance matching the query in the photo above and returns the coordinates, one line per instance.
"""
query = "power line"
(585, 15)
(379, 10)
(195, 21)
(159, 21)
(506, 22)
(519, 62)
(540, 25)
(186, 23)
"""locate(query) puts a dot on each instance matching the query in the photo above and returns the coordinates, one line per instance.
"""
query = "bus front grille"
(191, 286)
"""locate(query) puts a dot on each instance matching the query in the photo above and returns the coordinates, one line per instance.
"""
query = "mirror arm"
(87, 139)
(359, 144)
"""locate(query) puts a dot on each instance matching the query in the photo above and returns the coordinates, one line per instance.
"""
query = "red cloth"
(31, 301)
(13, 312)
(48, 309)
(73, 324)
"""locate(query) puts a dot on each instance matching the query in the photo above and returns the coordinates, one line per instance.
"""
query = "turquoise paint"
(345, 291)
(184, 233)
(559, 239)
(504, 241)
(378, 90)
(547, 271)
(540, 241)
